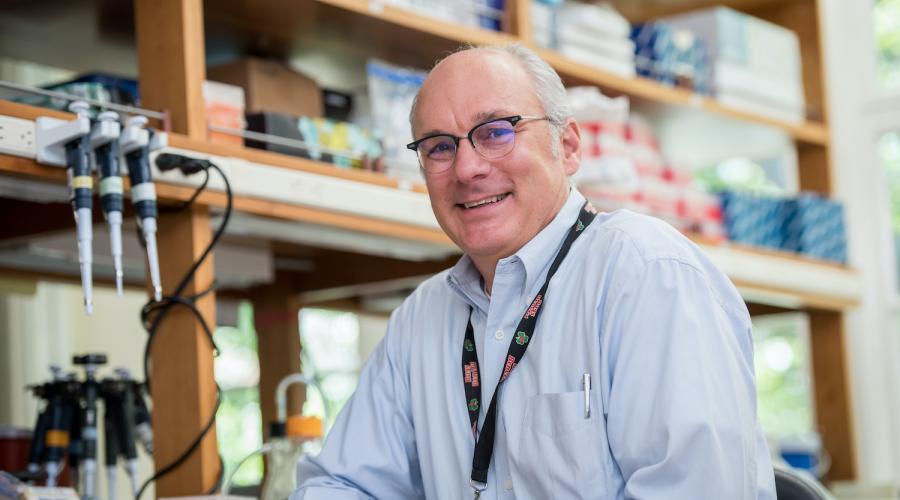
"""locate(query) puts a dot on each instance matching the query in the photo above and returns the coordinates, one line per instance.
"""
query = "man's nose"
(469, 164)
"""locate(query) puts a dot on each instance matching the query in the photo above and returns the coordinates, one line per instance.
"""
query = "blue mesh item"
(665, 55)
(654, 51)
(492, 16)
(814, 226)
(753, 220)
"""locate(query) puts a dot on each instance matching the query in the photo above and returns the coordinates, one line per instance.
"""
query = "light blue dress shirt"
(662, 332)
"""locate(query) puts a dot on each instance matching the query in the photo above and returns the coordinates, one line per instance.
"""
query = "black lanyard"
(484, 443)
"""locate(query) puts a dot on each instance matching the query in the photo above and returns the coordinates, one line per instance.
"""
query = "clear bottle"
(288, 443)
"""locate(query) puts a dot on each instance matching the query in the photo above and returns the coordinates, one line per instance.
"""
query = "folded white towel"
(737, 80)
(761, 107)
(600, 19)
(614, 48)
(608, 64)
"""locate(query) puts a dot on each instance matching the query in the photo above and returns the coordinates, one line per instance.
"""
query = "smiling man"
(567, 354)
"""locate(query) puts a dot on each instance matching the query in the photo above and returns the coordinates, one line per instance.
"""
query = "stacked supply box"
(756, 64)
(486, 14)
(814, 226)
(224, 108)
(807, 224)
(271, 86)
(622, 167)
(391, 93)
(339, 143)
(595, 35)
(605, 158)
(672, 56)
(753, 219)
(543, 23)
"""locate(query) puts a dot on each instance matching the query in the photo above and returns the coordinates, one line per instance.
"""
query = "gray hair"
(546, 82)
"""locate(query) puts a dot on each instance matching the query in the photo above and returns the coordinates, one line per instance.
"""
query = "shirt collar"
(535, 256)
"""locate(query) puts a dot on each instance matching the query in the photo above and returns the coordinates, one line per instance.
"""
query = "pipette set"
(79, 145)
(66, 427)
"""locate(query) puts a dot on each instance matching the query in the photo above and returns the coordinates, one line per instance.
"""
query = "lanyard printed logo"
(484, 443)
(521, 338)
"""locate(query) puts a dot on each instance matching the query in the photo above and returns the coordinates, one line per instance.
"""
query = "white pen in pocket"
(586, 384)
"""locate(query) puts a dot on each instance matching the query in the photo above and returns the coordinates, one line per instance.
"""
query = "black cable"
(192, 199)
(154, 312)
(218, 234)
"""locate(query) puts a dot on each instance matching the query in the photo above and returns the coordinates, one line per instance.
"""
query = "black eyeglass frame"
(513, 120)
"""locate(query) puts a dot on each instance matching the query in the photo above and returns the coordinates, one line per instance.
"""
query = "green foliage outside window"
(239, 422)
(782, 376)
(886, 24)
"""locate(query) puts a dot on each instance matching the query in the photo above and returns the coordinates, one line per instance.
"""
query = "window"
(886, 28)
(781, 344)
(239, 422)
(331, 355)
(889, 154)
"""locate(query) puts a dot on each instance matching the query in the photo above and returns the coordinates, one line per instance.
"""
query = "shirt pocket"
(561, 454)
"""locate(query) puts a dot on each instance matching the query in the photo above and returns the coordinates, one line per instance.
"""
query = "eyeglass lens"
(491, 140)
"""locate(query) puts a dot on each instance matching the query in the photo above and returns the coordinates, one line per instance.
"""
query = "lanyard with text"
(484, 443)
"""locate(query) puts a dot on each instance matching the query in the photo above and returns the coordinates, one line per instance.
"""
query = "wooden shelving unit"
(171, 73)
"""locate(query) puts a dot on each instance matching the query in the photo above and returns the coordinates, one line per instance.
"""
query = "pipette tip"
(119, 282)
(88, 307)
(157, 293)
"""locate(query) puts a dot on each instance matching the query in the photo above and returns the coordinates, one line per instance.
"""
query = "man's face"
(472, 87)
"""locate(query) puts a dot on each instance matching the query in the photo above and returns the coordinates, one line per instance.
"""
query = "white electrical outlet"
(17, 137)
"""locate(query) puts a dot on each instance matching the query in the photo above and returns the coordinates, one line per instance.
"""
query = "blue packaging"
(653, 51)
(491, 21)
(814, 226)
(753, 219)
(672, 57)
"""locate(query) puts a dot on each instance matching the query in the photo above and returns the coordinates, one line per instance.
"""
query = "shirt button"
(498, 335)
(508, 483)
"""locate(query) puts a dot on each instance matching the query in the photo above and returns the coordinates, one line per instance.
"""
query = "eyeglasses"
(491, 139)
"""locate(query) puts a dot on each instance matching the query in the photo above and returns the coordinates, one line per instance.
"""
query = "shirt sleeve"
(370, 452)
(680, 395)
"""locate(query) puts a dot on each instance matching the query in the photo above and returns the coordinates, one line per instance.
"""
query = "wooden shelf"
(642, 10)
(373, 28)
(574, 73)
(424, 24)
(786, 279)
(238, 160)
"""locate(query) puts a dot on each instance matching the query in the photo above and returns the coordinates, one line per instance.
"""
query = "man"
(637, 381)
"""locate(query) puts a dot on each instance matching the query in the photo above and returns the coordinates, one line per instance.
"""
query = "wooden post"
(182, 379)
(171, 61)
(275, 316)
(834, 419)
(518, 20)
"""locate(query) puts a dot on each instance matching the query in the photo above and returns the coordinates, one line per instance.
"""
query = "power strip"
(17, 137)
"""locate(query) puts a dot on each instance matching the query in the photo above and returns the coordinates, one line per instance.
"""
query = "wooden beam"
(834, 419)
(814, 165)
(518, 20)
(275, 317)
(167, 193)
(335, 268)
(182, 381)
(172, 61)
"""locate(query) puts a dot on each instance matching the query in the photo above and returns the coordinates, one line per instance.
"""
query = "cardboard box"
(271, 86)
(224, 108)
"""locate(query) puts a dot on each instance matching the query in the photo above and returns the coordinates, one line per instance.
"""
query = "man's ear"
(570, 152)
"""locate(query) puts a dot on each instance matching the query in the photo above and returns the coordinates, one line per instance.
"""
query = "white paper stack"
(596, 35)
(756, 64)
(543, 24)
